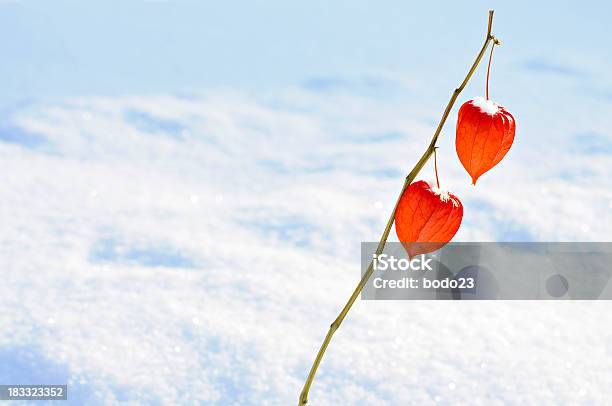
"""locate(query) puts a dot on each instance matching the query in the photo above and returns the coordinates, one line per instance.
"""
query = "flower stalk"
(303, 399)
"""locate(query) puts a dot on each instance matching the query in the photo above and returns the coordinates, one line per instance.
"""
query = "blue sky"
(64, 48)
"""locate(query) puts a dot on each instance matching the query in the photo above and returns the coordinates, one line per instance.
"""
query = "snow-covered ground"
(194, 249)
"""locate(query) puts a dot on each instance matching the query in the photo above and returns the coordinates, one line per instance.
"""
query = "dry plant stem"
(436, 167)
(411, 176)
(489, 68)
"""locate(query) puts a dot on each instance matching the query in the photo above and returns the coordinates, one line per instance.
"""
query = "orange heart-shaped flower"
(485, 132)
(426, 218)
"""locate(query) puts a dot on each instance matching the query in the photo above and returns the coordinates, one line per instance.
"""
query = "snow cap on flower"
(486, 106)
(444, 194)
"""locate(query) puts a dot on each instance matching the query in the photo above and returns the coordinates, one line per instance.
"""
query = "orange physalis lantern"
(426, 218)
(485, 132)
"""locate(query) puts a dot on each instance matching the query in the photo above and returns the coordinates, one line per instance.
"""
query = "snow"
(443, 193)
(195, 250)
(485, 105)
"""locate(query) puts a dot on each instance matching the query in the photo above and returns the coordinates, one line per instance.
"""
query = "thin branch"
(383, 240)
(436, 167)
(489, 68)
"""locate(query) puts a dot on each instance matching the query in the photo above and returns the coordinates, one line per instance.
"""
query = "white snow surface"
(194, 250)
